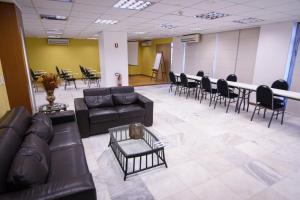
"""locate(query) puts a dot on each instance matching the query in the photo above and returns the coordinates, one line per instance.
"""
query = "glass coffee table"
(56, 107)
(136, 155)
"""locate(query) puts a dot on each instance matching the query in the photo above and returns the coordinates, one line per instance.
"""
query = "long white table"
(250, 87)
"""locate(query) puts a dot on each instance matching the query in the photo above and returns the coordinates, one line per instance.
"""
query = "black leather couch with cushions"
(104, 108)
(44, 161)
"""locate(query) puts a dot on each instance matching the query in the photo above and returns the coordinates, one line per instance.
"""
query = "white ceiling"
(82, 14)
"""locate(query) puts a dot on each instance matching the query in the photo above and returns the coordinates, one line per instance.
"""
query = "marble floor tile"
(242, 184)
(214, 190)
(211, 154)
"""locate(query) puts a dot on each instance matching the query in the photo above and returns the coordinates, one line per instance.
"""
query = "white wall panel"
(200, 56)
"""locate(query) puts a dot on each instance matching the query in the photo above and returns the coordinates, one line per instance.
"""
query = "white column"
(113, 58)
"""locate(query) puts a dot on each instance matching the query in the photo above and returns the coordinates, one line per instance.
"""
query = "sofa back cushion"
(96, 92)
(99, 101)
(18, 119)
(10, 143)
(42, 127)
(30, 165)
(125, 98)
(124, 89)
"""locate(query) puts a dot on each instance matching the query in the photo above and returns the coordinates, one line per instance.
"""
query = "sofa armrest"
(76, 188)
(82, 116)
(147, 104)
(62, 117)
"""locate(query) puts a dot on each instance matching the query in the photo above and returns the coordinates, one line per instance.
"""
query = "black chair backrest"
(172, 77)
(264, 96)
(200, 73)
(280, 84)
(57, 70)
(33, 76)
(82, 69)
(232, 77)
(184, 80)
(206, 84)
(222, 87)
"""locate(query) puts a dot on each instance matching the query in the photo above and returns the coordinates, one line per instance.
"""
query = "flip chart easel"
(158, 64)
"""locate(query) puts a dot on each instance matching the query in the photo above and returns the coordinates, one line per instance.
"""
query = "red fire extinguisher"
(119, 79)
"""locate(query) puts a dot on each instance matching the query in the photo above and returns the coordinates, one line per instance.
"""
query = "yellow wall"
(4, 104)
(78, 52)
(83, 52)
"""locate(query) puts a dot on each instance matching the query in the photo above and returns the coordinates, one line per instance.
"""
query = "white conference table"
(249, 87)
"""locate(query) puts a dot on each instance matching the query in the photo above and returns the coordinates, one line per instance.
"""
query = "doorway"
(165, 49)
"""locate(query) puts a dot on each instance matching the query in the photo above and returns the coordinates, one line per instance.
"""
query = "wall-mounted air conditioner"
(190, 38)
(58, 41)
(146, 43)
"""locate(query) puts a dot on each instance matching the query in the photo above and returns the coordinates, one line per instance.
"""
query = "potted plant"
(50, 82)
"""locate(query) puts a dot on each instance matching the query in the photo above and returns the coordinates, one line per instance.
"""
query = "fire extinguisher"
(119, 79)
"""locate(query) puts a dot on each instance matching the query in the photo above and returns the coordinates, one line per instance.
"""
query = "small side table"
(57, 107)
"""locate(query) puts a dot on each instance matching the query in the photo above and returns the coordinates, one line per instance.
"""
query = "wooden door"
(166, 50)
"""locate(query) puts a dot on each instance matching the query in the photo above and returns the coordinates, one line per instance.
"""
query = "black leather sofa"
(69, 176)
(111, 107)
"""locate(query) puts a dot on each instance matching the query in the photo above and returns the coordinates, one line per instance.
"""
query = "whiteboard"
(133, 49)
(157, 61)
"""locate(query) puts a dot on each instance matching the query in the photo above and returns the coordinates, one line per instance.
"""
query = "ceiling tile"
(163, 8)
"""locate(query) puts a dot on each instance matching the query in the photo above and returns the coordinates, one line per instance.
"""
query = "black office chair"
(174, 81)
(265, 100)
(34, 79)
(200, 73)
(281, 85)
(83, 74)
(186, 85)
(92, 78)
(207, 89)
(225, 93)
(68, 78)
(231, 77)
(59, 73)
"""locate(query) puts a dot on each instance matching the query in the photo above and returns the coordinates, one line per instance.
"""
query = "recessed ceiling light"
(54, 36)
(197, 29)
(248, 20)
(92, 38)
(53, 17)
(139, 33)
(133, 4)
(106, 21)
(65, 1)
(211, 15)
(54, 32)
(167, 26)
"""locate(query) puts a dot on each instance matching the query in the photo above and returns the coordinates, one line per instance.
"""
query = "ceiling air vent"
(58, 41)
(146, 43)
(194, 38)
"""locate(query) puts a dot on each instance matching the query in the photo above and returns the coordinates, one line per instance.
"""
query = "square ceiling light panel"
(211, 15)
(133, 4)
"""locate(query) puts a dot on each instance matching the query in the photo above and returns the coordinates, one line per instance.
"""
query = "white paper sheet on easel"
(157, 61)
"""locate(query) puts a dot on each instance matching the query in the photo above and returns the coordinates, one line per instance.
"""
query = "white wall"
(247, 54)
(113, 60)
(177, 57)
(272, 52)
(200, 56)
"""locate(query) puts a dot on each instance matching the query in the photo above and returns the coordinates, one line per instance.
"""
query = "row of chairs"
(89, 76)
(67, 76)
(223, 92)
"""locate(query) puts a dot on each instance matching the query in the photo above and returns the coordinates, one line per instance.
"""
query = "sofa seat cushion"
(68, 162)
(97, 115)
(129, 111)
(65, 134)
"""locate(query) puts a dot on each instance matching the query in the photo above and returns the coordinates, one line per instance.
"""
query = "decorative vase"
(50, 97)
(136, 131)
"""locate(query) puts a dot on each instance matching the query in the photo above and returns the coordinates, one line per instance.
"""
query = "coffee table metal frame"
(155, 155)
